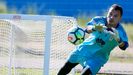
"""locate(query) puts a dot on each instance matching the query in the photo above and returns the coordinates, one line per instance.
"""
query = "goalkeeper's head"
(114, 15)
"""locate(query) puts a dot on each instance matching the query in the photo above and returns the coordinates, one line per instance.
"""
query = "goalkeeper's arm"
(90, 28)
(122, 44)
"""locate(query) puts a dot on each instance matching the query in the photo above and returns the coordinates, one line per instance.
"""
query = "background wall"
(89, 8)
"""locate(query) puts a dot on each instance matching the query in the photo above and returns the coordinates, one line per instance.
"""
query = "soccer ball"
(76, 35)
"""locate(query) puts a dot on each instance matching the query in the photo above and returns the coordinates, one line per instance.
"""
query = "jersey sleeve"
(97, 20)
(123, 37)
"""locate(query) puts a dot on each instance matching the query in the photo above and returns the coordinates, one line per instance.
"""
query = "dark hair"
(118, 7)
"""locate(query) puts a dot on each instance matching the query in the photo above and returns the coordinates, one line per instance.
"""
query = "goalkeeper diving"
(105, 33)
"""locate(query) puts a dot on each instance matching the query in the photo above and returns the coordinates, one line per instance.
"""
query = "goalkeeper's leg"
(67, 68)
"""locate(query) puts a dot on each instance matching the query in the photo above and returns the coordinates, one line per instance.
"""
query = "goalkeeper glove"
(98, 27)
(115, 35)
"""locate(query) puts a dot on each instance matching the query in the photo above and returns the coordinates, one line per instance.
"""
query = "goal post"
(47, 47)
(35, 43)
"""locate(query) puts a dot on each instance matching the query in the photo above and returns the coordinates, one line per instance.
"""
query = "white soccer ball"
(76, 35)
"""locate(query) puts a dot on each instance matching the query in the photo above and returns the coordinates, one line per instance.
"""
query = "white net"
(60, 47)
(22, 44)
(21, 47)
(5, 46)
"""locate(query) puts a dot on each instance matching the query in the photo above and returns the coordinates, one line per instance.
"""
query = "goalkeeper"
(106, 33)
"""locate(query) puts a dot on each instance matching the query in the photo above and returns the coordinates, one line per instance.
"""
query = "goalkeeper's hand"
(115, 34)
(98, 27)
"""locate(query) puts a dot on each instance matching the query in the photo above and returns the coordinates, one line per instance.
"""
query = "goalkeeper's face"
(113, 17)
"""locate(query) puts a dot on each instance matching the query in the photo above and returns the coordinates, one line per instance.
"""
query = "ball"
(76, 35)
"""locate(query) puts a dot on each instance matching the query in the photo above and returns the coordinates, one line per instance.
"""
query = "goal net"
(33, 45)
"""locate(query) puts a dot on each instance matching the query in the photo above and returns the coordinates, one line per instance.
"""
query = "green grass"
(4, 70)
(28, 71)
(21, 71)
(129, 30)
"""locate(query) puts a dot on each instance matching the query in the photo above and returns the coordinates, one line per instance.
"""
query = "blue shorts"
(86, 55)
